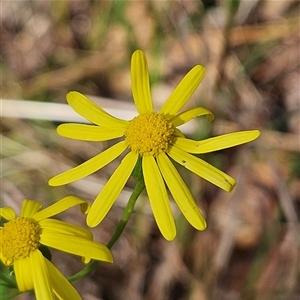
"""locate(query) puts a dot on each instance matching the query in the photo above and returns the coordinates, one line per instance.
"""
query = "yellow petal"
(90, 166)
(52, 225)
(181, 193)
(178, 133)
(187, 145)
(77, 246)
(41, 278)
(30, 207)
(216, 143)
(187, 115)
(7, 262)
(58, 207)
(202, 169)
(86, 132)
(140, 82)
(158, 198)
(92, 112)
(183, 91)
(24, 277)
(7, 213)
(61, 286)
(111, 190)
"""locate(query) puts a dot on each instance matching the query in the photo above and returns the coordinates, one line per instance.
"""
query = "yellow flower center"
(149, 134)
(19, 237)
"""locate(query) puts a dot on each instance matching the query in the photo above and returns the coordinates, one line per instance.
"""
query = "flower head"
(154, 137)
(21, 238)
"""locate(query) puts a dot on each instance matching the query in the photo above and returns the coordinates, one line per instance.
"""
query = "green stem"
(85, 271)
(117, 233)
(6, 281)
(10, 295)
(127, 212)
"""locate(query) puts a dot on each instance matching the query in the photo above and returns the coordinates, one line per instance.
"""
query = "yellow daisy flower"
(21, 238)
(154, 137)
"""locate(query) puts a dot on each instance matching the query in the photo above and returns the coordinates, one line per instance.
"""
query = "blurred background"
(250, 49)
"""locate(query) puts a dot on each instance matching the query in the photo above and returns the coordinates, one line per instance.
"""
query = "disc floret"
(149, 134)
(19, 237)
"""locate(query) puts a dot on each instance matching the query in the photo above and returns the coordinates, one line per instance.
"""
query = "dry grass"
(251, 52)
